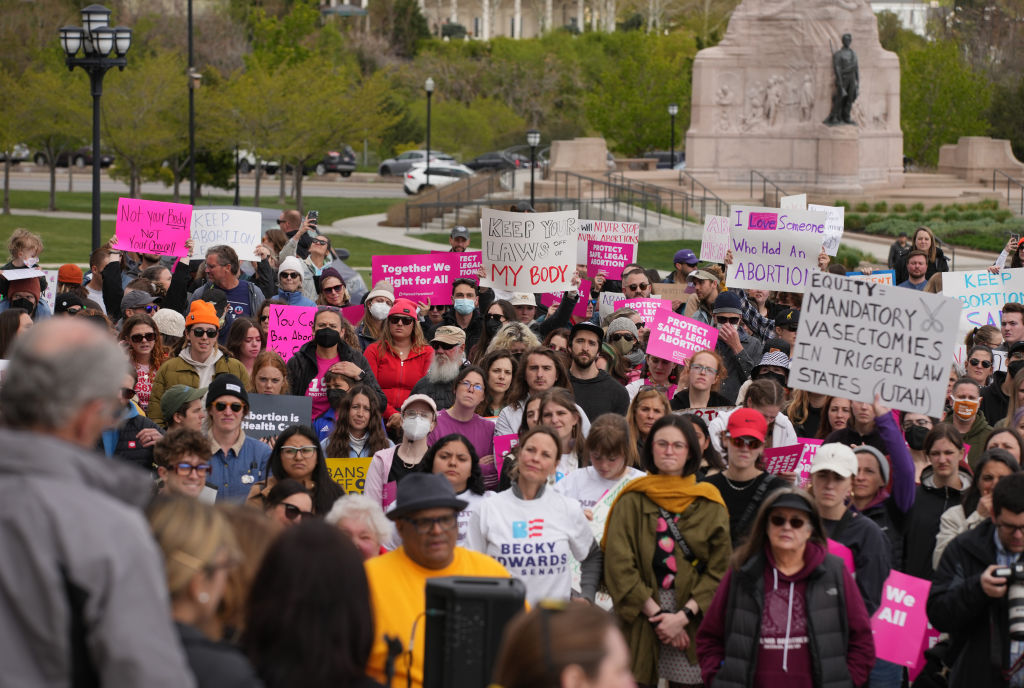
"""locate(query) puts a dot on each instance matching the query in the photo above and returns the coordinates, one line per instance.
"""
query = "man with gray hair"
(83, 599)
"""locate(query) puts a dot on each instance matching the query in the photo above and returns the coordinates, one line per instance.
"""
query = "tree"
(8, 131)
(401, 23)
(1007, 104)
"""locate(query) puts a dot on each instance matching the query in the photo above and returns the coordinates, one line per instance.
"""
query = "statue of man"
(844, 65)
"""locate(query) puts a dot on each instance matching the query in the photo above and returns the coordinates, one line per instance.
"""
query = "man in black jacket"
(969, 601)
(595, 390)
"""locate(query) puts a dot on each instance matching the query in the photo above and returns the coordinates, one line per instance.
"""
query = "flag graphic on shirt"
(528, 529)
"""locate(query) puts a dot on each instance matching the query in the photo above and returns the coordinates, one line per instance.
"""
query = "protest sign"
(877, 276)
(803, 469)
(835, 217)
(708, 414)
(49, 295)
(239, 229)
(529, 252)
(270, 414)
(606, 301)
(156, 227)
(13, 274)
(857, 340)
(424, 278)
(844, 553)
(982, 294)
(777, 260)
(931, 637)
(290, 327)
(715, 240)
(676, 338)
(470, 263)
(603, 230)
(597, 520)
(795, 202)
(782, 459)
(503, 444)
(608, 259)
(898, 625)
(350, 473)
(673, 291)
(646, 308)
(771, 219)
(580, 309)
(354, 314)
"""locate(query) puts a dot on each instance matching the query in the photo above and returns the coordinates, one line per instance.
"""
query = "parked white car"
(441, 174)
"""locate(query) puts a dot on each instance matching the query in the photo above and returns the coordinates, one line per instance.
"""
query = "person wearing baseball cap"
(458, 239)
(595, 390)
(238, 461)
(738, 350)
(701, 302)
(183, 408)
(743, 485)
(417, 419)
(449, 344)
(685, 262)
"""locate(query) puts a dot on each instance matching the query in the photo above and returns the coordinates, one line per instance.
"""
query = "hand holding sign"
(529, 252)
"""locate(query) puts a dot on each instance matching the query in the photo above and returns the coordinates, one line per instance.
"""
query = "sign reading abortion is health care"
(857, 339)
(155, 227)
(982, 294)
(529, 252)
(270, 414)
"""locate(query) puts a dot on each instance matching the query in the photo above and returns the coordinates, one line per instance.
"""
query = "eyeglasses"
(183, 469)
(704, 369)
(264, 318)
(149, 308)
(289, 275)
(425, 525)
(471, 386)
(320, 242)
(978, 362)
(621, 335)
(795, 522)
(920, 422)
(727, 321)
(147, 337)
(496, 316)
(399, 320)
(746, 442)
(292, 512)
(437, 309)
(203, 332)
(443, 345)
(331, 290)
(417, 414)
(211, 266)
(74, 310)
(307, 451)
(1011, 529)
(127, 393)
(234, 405)
(638, 287)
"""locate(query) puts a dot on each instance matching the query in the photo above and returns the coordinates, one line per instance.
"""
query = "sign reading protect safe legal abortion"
(858, 339)
(777, 260)
(426, 278)
(529, 252)
(676, 338)
(155, 227)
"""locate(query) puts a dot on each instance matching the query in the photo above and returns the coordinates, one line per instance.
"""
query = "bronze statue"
(844, 64)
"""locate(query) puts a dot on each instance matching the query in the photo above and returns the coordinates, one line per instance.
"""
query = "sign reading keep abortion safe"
(155, 227)
(857, 339)
(529, 252)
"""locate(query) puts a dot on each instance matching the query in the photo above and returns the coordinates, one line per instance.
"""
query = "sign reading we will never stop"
(529, 252)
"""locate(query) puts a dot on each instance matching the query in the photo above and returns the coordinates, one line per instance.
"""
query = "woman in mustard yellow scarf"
(666, 547)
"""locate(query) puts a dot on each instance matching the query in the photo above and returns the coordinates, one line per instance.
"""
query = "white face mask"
(31, 262)
(379, 310)
(416, 428)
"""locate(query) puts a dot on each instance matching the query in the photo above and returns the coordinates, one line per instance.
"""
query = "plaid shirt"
(759, 325)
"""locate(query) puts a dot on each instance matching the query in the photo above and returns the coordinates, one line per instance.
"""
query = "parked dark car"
(79, 158)
(499, 160)
(664, 159)
(342, 161)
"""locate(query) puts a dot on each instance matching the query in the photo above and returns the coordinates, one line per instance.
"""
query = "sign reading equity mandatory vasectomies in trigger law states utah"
(857, 339)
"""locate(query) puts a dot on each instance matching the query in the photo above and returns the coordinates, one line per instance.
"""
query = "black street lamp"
(673, 110)
(103, 48)
(193, 84)
(428, 86)
(533, 139)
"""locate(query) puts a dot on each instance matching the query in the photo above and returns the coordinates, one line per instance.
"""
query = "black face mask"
(1011, 368)
(781, 379)
(335, 397)
(25, 305)
(915, 435)
(326, 338)
(492, 326)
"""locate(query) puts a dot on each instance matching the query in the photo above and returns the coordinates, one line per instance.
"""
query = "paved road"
(965, 259)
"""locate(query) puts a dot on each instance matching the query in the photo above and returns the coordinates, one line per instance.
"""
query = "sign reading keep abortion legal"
(239, 229)
(857, 339)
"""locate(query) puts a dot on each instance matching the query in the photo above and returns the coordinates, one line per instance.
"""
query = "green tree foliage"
(942, 100)
(8, 132)
(1005, 115)
(401, 23)
(467, 129)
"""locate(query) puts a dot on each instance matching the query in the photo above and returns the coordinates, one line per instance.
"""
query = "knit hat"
(622, 325)
(70, 273)
(67, 300)
(293, 264)
(225, 385)
(883, 463)
(835, 457)
(29, 284)
(382, 288)
(747, 422)
(404, 307)
(170, 322)
(331, 272)
(728, 302)
(202, 313)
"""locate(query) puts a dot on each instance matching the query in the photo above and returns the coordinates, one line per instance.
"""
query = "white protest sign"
(529, 252)
(606, 303)
(602, 230)
(239, 229)
(751, 217)
(857, 339)
(13, 274)
(795, 202)
(777, 261)
(877, 276)
(715, 240)
(835, 218)
(49, 296)
(982, 294)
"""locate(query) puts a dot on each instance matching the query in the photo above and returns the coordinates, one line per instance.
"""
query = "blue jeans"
(886, 675)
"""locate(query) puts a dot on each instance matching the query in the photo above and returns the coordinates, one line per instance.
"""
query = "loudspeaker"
(466, 619)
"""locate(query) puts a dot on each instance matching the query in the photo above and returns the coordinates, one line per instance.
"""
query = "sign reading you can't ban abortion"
(529, 252)
(858, 339)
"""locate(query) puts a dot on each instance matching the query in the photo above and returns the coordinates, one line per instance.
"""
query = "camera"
(1014, 575)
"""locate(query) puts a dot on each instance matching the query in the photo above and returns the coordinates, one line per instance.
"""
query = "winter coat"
(216, 664)
(178, 371)
(930, 503)
(295, 298)
(302, 368)
(395, 376)
(121, 442)
(940, 264)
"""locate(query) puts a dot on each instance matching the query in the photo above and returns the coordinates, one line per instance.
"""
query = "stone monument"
(762, 96)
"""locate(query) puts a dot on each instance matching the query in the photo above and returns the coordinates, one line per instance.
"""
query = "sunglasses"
(292, 512)
(264, 318)
(438, 309)
(222, 405)
(727, 321)
(320, 242)
(289, 275)
(638, 287)
(202, 332)
(73, 310)
(443, 345)
(280, 222)
(290, 452)
(976, 362)
(496, 316)
(331, 290)
(621, 335)
(396, 320)
(151, 337)
(795, 522)
(183, 469)
(149, 308)
(746, 442)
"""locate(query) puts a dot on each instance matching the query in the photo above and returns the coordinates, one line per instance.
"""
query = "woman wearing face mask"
(377, 306)
(623, 336)
(418, 414)
(500, 368)
(146, 352)
(400, 358)
(964, 416)
(332, 289)
(977, 503)
(836, 414)
(359, 429)
(705, 372)
(453, 457)
(660, 374)
(609, 463)
(646, 408)
(916, 427)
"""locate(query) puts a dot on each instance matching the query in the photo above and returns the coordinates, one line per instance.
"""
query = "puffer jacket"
(302, 368)
(395, 376)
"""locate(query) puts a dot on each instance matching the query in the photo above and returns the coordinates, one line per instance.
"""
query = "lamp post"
(533, 139)
(428, 86)
(193, 83)
(103, 47)
(673, 110)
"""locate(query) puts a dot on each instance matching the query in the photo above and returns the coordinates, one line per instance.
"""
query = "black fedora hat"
(421, 491)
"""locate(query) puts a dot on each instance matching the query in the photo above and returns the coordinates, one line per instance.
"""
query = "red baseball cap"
(746, 422)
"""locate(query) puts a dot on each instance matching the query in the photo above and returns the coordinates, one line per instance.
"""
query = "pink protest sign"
(353, 314)
(154, 227)
(676, 338)
(899, 623)
(426, 277)
(607, 258)
(783, 459)
(290, 328)
(470, 263)
(503, 444)
(931, 636)
(803, 468)
(843, 552)
(647, 308)
(708, 414)
(580, 309)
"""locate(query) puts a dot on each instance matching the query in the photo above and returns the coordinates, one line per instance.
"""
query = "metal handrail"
(1009, 180)
(765, 183)
(721, 207)
(468, 187)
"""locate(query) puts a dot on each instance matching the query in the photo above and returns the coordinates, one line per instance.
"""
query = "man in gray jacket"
(83, 600)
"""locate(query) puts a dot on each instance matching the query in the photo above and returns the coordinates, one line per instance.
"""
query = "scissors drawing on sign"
(931, 321)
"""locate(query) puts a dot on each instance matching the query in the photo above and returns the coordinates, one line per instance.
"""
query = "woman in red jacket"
(399, 358)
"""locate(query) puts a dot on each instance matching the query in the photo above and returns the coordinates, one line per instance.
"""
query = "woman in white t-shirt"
(612, 457)
(558, 411)
(453, 457)
(533, 531)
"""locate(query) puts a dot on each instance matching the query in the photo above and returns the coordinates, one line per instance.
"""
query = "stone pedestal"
(761, 95)
(975, 157)
(586, 156)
